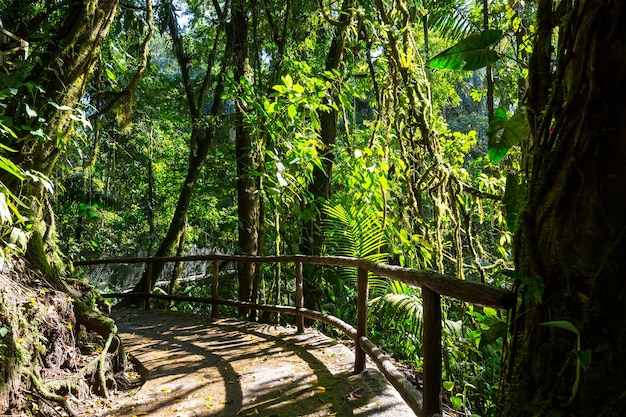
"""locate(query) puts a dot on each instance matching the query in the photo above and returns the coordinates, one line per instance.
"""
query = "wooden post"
(431, 348)
(299, 297)
(214, 287)
(148, 287)
(361, 319)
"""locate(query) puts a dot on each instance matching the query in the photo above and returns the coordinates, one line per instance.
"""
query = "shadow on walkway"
(201, 367)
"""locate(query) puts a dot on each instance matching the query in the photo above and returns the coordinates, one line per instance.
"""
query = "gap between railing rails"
(433, 285)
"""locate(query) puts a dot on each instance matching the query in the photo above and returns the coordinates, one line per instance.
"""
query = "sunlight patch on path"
(203, 367)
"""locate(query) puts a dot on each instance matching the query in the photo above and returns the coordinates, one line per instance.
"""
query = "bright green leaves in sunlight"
(469, 54)
(505, 132)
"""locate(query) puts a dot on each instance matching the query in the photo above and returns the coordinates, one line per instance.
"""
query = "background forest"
(343, 143)
(387, 130)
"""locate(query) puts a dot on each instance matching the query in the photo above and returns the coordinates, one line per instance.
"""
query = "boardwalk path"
(203, 367)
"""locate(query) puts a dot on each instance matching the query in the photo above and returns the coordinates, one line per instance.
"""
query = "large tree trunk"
(62, 68)
(63, 73)
(572, 234)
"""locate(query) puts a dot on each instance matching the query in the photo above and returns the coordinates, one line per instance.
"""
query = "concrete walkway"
(201, 367)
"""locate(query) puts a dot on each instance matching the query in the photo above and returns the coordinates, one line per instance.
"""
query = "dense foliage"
(349, 135)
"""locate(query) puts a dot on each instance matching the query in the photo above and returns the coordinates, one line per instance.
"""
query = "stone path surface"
(196, 366)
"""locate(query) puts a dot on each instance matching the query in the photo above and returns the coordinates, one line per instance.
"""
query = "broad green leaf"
(504, 133)
(448, 385)
(288, 81)
(280, 88)
(291, 111)
(490, 312)
(4, 331)
(562, 324)
(469, 54)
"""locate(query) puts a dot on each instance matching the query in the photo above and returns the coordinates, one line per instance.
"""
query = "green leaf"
(469, 54)
(562, 324)
(30, 112)
(110, 75)
(288, 81)
(280, 88)
(8, 130)
(511, 132)
(6, 148)
(4, 331)
(448, 385)
(11, 168)
(490, 312)
(291, 111)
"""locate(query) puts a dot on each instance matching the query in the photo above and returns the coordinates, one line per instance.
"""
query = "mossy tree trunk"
(63, 73)
(572, 234)
(51, 84)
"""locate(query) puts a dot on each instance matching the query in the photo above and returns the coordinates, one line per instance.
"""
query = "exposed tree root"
(47, 333)
(47, 395)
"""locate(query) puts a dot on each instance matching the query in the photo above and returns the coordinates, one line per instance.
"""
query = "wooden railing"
(433, 285)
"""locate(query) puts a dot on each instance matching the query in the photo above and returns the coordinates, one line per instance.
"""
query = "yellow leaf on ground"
(320, 388)
(166, 389)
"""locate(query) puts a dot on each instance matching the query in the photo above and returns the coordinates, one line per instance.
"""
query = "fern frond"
(399, 311)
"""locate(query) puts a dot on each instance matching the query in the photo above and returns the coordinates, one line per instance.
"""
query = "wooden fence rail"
(433, 285)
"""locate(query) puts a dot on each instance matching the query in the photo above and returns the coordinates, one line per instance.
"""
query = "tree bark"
(62, 72)
(571, 238)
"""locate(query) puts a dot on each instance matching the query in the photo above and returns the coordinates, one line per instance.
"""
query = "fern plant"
(352, 231)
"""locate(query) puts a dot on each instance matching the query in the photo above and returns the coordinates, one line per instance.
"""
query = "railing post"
(148, 287)
(299, 297)
(431, 349)
(214, 287)
(361, 319)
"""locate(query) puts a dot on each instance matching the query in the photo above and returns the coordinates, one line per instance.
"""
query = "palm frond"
(353, 231)
(452, 21)
(403, 312)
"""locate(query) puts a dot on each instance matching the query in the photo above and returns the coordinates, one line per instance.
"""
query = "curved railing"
(433, 285)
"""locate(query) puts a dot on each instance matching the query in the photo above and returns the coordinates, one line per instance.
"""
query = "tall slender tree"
(200, 113)
(246, 154)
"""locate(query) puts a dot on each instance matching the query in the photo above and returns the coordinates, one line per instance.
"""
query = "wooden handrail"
(433, 285)
(468, 291)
